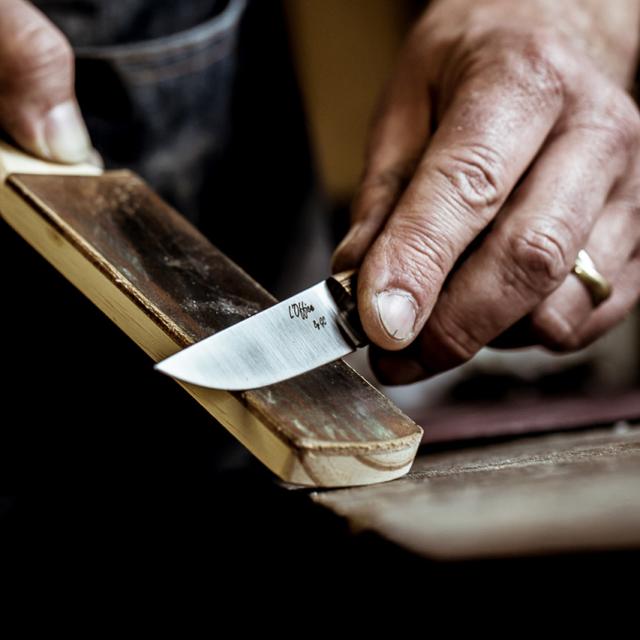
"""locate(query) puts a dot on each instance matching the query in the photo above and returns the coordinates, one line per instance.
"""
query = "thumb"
(38, 108)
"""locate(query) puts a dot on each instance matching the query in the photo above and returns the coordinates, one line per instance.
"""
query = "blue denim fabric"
(159, 106)
(199, 97)
(109, 22)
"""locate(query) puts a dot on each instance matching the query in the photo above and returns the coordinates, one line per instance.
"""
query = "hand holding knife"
(312, 328)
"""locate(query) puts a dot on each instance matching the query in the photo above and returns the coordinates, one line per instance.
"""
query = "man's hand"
(37, 101)
(506, 142)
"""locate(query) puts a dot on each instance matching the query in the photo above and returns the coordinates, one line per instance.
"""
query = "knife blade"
(312, 328)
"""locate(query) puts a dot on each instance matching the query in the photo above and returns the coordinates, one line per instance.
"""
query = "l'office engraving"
(301, 310)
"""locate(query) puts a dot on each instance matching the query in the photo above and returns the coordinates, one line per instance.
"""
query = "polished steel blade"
(293, 336)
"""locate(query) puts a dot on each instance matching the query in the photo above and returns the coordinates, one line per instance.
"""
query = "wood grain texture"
(166, 286)
(554, 493)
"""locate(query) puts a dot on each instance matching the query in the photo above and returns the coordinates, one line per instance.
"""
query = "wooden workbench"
(551, 493)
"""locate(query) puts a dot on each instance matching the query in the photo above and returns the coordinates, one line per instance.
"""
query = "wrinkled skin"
(506, 142)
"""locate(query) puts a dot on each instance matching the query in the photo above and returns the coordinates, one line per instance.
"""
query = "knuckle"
(612, 122)
(426, 255)
(631, 206)
(38, 50)
(538, 258)
(540, 54)
(623, 123)
(533, 64)
(555, 331)
(474, 177)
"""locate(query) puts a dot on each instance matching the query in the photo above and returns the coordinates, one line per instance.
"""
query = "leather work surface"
(520, 417)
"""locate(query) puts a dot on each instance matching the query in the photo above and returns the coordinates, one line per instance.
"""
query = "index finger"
(493, 128)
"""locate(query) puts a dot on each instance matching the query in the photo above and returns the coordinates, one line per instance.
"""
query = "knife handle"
(343, 287)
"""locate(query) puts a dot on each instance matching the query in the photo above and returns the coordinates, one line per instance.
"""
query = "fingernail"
(64, 135)
(397, 313)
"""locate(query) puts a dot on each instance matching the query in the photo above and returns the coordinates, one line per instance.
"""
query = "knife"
(312, 328)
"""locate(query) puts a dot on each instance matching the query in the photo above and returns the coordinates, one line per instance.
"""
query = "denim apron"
(154, 80)
(199, 97)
